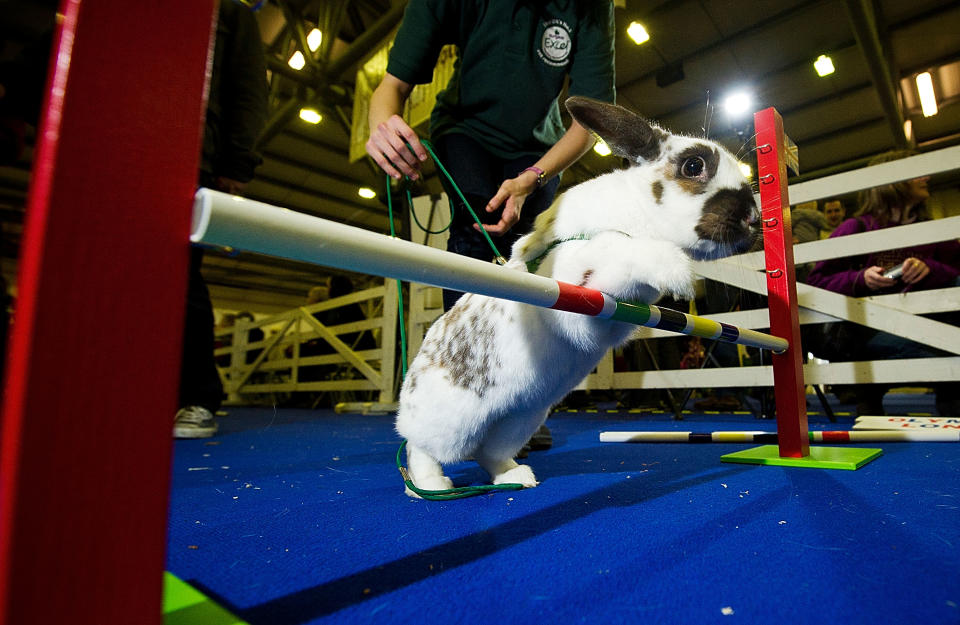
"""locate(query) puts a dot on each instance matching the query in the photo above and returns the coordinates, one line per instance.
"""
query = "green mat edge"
(185, 605)
(846, 458)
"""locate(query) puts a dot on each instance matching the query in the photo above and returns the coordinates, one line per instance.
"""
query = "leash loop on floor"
(459, 492)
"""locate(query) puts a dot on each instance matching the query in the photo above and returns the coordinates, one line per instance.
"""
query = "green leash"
(459, 492)
(496, 253)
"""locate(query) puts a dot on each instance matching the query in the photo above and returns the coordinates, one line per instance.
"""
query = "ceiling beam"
(325, 79)
(366, 43)
(863, 21)
(726, 39)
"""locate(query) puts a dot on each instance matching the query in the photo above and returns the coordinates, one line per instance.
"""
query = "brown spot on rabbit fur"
(657, 189)
(586, 277)
(411, 381)
(466, 354)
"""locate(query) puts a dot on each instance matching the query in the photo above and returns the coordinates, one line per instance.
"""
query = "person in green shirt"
(496, 127)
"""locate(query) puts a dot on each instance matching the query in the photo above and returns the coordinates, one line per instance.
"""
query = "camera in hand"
(894, 273)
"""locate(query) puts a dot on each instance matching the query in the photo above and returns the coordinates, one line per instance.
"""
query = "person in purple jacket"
(930, 266)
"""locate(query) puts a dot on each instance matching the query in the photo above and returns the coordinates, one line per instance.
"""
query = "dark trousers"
(478, 174)
(199, 381)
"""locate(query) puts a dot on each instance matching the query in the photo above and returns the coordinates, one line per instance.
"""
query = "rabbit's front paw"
(433, 482)
(520, 474)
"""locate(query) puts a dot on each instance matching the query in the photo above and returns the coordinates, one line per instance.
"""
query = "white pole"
(232, 221)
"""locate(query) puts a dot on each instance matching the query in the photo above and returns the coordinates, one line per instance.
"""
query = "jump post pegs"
(775, 152)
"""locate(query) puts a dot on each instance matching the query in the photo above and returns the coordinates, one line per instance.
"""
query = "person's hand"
(396, 148)
(914, 270)
(229, 185)
(875, 280)
(510, 196)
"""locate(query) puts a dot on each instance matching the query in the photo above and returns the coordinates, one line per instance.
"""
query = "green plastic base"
(849, 458)
(185, 605)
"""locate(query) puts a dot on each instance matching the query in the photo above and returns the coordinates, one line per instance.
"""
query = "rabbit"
(489, 370)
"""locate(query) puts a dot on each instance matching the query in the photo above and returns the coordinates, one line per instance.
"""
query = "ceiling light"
(824, 65)
(746, 170)
(314, 37)
(297, 61)
(311, 116)
(637, 32)
(366, 193)
(738, 103)
(601, 148)
(928, 100)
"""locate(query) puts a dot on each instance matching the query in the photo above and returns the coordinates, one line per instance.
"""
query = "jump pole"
(94, 352)
(825, 436)
(224, 220)
(793, 443)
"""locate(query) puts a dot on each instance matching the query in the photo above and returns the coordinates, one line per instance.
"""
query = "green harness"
(534, 264)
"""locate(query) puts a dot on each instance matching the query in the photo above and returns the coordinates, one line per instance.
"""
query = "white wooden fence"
(898, 314)
(278, 362)
(276, 365)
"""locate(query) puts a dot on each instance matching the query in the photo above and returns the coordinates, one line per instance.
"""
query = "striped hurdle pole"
(825, 436)
(226, 220)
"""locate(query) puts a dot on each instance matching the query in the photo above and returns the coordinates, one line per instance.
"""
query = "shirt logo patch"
(556, 43)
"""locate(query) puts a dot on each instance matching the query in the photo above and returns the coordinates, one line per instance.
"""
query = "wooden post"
(94, 355)
(781, 284)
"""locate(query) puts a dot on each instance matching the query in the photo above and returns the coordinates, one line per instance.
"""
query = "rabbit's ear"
(626, 133)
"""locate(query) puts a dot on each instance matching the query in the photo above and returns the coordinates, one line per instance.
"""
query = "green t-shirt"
(513, 57)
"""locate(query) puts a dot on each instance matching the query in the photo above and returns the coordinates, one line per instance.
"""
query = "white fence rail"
(276, 365)
(279, 364)
(898, 314)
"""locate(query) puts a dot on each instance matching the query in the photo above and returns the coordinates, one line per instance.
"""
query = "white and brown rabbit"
(489, 370)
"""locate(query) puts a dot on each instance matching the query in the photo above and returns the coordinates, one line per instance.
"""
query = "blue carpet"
(293, 517)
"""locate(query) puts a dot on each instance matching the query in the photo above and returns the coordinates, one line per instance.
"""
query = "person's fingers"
(395, 147)
(497, 200)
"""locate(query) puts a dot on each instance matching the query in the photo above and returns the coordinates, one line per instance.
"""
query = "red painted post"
(93, 362)
(781, 284)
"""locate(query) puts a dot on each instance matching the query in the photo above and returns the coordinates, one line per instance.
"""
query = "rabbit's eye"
(693, 167)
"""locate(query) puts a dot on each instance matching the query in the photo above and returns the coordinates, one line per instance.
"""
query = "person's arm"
(243, 98)
(592, 74)
(942, 261)
(842, 275)
(389, 134)
(574, 143)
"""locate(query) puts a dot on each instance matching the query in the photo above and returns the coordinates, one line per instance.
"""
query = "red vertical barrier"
(93, 361)
(781, 284)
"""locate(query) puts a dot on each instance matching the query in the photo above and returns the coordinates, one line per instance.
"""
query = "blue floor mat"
(295, 517)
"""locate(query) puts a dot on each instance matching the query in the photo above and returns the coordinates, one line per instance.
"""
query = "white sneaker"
(194, 422)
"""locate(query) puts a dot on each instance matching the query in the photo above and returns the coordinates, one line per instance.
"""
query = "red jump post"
(793, 440)
(781, 284)
(94, 354)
